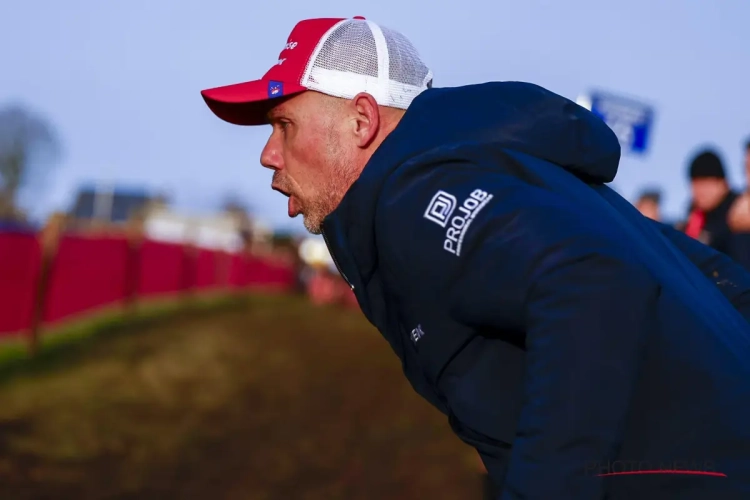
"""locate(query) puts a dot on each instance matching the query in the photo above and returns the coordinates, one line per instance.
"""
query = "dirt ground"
(274, 399)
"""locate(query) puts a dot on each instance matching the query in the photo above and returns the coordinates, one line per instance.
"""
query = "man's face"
(708, 192)
(312, 155)
(649, 208)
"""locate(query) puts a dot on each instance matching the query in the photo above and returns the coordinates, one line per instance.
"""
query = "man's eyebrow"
(274, 113)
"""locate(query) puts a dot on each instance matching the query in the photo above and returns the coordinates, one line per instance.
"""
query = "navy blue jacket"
(564, 335)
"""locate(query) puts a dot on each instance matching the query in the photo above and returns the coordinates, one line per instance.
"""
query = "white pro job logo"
(441, 209)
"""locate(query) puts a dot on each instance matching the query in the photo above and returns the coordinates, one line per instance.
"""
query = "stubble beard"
(340, 179)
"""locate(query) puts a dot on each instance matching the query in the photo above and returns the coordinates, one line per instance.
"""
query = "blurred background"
(167, 332)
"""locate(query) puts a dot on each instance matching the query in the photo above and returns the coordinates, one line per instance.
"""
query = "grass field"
(269, 398)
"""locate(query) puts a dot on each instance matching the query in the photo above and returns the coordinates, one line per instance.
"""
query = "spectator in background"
(711, 201)
(649, 204)
(326, 286)
(739, 217)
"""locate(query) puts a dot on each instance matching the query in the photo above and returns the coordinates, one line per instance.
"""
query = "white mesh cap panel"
(408, 75)
(359, 56)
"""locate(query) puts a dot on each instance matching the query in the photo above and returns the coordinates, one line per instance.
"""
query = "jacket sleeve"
(586, 309)
(731, 278)
(531, 262)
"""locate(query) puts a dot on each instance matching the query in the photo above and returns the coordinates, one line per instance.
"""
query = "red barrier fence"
(206, 267)
(87, 273)
(162, 269)
(20, 258)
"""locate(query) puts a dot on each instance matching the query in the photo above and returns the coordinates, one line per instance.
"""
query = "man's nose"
(270, 157)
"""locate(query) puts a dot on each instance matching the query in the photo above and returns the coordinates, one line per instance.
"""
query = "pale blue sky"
(121, 79)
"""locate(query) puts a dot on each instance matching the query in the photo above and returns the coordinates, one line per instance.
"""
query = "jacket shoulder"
(425, 213)
(441, 218)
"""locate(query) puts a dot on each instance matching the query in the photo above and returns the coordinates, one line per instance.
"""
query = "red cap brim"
(248, 103)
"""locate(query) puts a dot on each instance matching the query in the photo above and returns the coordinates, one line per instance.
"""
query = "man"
(711, 198)
(715, 209)
(649, 204)
(739, 218)
(565, 336)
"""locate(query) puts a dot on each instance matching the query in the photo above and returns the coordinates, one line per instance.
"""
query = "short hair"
(653, 195)
(747, 144)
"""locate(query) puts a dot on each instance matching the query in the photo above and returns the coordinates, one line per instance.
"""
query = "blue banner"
(630, 120)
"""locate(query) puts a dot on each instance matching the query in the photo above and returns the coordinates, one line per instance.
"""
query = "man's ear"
(367, 119)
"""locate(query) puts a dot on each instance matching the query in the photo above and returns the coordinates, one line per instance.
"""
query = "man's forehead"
(288, 106)
(308, 104)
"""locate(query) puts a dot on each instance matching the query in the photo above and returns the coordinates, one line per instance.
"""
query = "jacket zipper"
(336, 262)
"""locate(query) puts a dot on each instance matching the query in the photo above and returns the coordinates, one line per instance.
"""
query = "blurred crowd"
(717, 214)
(323, 285)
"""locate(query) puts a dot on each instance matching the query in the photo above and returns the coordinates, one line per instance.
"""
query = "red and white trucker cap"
(338, 57)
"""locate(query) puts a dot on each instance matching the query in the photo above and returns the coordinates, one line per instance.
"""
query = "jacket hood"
(513, 115)
(510, 115)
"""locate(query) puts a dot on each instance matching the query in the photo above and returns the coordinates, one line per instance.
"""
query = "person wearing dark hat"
(711, 200)
(739, 217)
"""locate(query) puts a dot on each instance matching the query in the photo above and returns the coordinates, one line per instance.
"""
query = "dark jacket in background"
(564, 335)
(716, 228)
(717, 234)
(715, 231)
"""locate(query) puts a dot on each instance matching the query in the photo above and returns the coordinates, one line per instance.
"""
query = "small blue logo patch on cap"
(275, 89)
